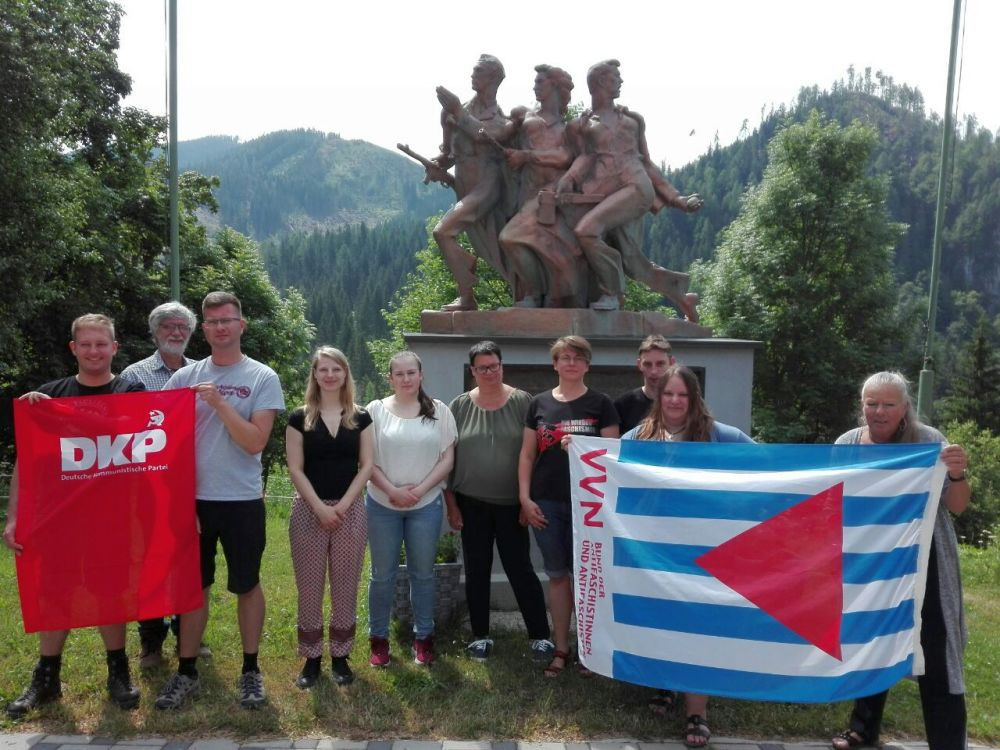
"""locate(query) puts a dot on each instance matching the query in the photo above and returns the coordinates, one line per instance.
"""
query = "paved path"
(87, 742)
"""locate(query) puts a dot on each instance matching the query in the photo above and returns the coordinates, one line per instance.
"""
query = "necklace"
(679, 432)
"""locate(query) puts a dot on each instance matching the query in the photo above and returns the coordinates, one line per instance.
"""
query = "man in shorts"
(94, 346)
(238, 399)
(654, 359)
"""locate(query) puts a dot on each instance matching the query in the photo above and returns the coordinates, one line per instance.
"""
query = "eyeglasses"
(487, 369)
(215, 322)
(179, 327)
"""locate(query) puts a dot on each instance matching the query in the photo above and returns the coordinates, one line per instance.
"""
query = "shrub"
(978, 523)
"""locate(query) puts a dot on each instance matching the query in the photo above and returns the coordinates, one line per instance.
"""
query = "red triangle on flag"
(791, 566)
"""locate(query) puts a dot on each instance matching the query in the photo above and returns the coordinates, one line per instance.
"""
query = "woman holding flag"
(680, 414)
(888, 416)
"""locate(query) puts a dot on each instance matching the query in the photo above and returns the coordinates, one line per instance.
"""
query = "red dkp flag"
(106, 509)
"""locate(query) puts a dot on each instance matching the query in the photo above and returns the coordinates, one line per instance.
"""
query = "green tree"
(975, 384)
(980, 522)
(806, 268)
(72, 210)
(83, 216)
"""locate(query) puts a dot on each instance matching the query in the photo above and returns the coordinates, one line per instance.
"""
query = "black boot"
(310, 673)
(123, 693)
(342, 674)
(44, 688)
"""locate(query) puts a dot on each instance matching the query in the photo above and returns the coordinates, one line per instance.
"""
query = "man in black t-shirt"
(93, 344)
(654, 359)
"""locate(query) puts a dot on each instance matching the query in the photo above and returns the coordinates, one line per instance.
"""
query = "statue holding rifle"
(472, 134)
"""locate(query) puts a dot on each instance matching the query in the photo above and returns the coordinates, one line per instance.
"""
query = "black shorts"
(240, 526)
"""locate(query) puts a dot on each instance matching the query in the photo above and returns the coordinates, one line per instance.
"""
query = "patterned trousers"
(317, 553)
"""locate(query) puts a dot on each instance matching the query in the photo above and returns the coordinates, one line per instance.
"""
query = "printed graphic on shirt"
(240, 391)
(550, 435)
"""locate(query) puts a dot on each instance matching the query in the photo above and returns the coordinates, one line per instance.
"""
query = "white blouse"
(406, 449)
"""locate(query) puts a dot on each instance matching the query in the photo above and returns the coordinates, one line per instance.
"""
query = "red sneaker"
(423, 650)
(379, 652)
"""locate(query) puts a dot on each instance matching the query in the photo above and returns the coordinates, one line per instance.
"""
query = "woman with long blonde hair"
(329, 447)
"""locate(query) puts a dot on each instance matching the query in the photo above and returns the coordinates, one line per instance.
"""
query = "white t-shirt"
(406, 449)
(224, 470)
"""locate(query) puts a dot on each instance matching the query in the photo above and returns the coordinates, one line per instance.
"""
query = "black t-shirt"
(330, 463)
(71, 387)
(551, 419)
(632, 408)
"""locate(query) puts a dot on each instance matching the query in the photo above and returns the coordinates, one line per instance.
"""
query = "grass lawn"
(506, 698)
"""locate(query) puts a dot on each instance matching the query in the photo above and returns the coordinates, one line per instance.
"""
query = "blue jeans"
(388, 530)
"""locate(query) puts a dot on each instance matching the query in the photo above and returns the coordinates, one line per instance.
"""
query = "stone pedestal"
(725, 366)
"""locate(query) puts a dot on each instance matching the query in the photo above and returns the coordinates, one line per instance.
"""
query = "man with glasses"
(171, 325)
(238, 399)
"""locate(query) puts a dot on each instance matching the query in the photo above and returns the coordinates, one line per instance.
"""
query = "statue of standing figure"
(584, 189)
(472, 136)
(613, 165)
(543, 251)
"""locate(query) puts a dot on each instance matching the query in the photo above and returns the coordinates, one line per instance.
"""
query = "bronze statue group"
(383, 477)
(553, 206)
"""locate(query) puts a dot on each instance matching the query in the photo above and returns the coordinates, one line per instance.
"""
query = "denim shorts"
(555, 541)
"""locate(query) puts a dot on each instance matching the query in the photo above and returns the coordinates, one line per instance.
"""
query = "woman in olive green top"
(482, 501)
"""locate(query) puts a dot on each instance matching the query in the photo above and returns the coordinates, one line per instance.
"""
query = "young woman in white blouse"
(414, 453)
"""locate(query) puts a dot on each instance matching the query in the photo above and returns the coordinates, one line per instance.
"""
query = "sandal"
(696, 733)
(553, 669)
(849, 739)
(662, 702)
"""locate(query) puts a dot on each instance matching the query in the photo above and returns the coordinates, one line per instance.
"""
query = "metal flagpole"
(925, 392)
(175, 252)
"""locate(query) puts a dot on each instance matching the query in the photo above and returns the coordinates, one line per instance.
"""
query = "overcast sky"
(368, 70)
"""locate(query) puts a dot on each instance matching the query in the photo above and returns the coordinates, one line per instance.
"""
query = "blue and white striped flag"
(766, 572)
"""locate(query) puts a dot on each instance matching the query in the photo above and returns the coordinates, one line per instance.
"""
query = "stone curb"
(27, 741)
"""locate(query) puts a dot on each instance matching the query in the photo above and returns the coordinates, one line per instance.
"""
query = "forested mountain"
(908, 154)
(347, 276)
(303, 180)
(194, 154)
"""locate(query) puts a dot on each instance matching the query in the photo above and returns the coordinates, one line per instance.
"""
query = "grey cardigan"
(949, 578)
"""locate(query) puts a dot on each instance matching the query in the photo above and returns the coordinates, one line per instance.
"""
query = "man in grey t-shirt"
(238, 399)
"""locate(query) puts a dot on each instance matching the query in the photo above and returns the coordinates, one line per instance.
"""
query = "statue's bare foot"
(687, 306)
(606, 302)
(527, 301)
(461, 302)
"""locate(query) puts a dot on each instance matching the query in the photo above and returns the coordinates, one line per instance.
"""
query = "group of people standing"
(493, 462)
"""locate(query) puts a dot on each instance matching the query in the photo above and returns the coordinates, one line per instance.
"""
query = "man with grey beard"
(171, 325)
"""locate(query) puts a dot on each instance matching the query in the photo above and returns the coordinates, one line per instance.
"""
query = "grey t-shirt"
(224, 470)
